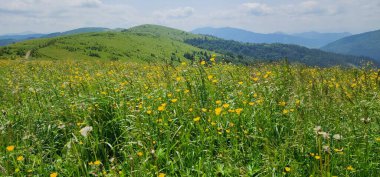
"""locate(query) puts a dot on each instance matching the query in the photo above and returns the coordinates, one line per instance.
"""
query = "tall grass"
(80, 118)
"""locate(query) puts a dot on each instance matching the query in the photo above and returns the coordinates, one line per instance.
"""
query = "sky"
(263, 16)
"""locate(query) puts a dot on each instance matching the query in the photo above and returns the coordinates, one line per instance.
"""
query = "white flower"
(85, 131)
(337, 137)
(326, 149)
(317, 129)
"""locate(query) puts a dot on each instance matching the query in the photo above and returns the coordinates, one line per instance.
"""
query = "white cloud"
(257, 9)
(182, 12)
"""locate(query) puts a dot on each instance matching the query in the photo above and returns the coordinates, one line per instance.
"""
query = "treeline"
(249, 53)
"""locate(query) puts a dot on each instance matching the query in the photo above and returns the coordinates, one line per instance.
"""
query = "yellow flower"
(218, 111)
(238, 111)
(298, 102)
(282, 103)
(20, 158)
(174, 100)
(378, 139)
(54, 174)
(287, 169)
(218, 102)
(149, 112)
(209, 77)
(350, 168)
(17, 170)
(197, 119)
(317, 157)
(285, 111)
(10, 148)
(228, 130)
(161, 108)
(161, 175)
(226, 105)
(140, 154)
(97, 162)
(240, 83)
(203, 63)
(255, 79)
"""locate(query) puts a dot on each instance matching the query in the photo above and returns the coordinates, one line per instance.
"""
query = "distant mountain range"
(10, 39)
(153, 43)
(307, 39)
(365, 44)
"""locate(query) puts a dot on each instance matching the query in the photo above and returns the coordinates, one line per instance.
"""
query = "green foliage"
(237, 52)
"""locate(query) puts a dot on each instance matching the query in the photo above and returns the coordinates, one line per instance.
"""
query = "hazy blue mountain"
(308, 39)
(365, 44)
(76, 31)
(13, 38)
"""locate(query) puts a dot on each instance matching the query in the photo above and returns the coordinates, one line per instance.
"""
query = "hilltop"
(153, 43)
(365, 44)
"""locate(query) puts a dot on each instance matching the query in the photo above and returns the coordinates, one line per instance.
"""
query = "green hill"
(365, 44)
(126, 45)
(153, 43)
(238, 52)
(161, 31)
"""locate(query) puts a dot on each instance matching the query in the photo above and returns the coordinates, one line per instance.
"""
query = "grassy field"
(102, 118)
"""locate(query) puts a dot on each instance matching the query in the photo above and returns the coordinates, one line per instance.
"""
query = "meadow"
(103, 118)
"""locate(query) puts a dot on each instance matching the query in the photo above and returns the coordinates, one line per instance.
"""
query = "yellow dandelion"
(282, 103)
(54, 174)
(149, 112)
(317, 157)
(287, 169)
(10, 148)
(197, 119)
(161, 108)
(218, 111)
(238, 111)
(98, 162)
(203, 63)
(350, 168)
(161, 175)
(20, 158)
(226, 105)
(285, 111)
(140, 154)
(228, 130)
(209, 77)
(240, 83)
(174, 100)
(218, 102)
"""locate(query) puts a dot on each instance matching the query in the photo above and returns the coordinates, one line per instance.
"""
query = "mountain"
(9, 39)
(153, 43)
(76, 31)
(309, 39)
(238, 52)
(136, 44)
(365, 44)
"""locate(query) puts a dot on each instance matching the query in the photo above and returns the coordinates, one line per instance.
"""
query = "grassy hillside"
(246, 53)
(365, 44)
(161, 31)
(104, 45)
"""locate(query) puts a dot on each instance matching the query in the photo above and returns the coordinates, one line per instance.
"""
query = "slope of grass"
(97, 118)
(105, 45)
(163, 31)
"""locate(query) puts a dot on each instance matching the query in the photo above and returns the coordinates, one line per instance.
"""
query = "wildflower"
(251, 103)
(287, 169)
(317, 157)
(298, 102)
(209, 77)
(17, 170)
(326, 149)
(149, 112)
(282, 103)
(203, 62)
(212, 59)
(311, 154)
(161, 175)
(366, 120)
(140, 154)
(238, 111)
(161, 108)
(228, 130)
(350, 168)
(226, 105)
(255, 79)
(337, 137)
(218, 111)
(174, 100)
(197, 119)
(218, 102)
(240, 83)
(378, 139)
(54, 174)
(317, 129)
(10, 148)
(325, 135)
(97, 162)
(339, 151)
(85, 131)
(20, 158)
(285, 111)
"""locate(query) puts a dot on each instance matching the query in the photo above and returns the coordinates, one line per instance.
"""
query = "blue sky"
(268, 16)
